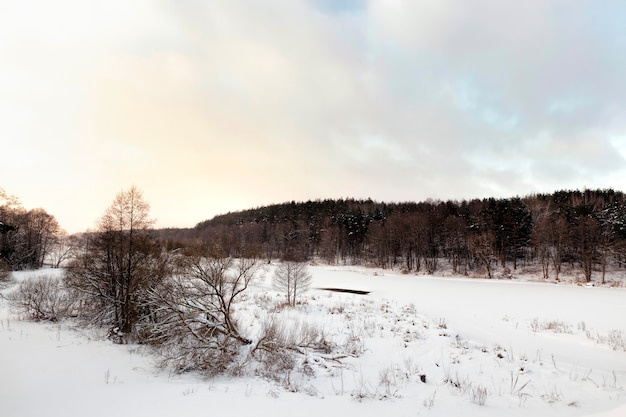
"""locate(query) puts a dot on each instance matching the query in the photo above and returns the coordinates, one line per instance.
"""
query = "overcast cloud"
(218, 106)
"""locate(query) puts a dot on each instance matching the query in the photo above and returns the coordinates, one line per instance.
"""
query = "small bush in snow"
(41, 298)
(554, 326)
(281, 342)
(552, 396)
(616, 340)
(479, 395)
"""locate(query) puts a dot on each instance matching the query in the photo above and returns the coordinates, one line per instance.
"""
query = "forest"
(580, 230)
(583, 230)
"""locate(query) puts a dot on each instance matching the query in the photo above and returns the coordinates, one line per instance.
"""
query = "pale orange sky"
(218, 106)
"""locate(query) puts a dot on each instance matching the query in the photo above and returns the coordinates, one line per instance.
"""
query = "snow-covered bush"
(193, 323)
(281, 342)
(41, 298)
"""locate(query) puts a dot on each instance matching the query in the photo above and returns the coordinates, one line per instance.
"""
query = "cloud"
(217, 106)
(509, 72)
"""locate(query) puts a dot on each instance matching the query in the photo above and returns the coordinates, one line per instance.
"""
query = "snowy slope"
(485, 348)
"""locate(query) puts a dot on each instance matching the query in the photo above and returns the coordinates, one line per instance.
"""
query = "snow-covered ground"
(415, 345)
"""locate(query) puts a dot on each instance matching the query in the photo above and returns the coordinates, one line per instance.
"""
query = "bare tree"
(62, 249)
(195, 325)
(481, 246)
(40, 231)
(292, 278)
(120, 261)
(586, 235)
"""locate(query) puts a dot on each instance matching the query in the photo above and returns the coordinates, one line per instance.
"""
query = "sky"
(210, 107)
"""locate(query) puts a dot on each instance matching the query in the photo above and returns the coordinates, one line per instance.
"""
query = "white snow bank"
(530, 348)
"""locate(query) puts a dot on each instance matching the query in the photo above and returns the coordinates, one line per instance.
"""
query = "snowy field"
(413, 346)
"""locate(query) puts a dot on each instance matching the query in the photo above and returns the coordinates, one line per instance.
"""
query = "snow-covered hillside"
(413, 346)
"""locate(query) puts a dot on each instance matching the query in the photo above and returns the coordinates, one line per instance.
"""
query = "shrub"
(280, 342)
(41, 298)
(194, 325)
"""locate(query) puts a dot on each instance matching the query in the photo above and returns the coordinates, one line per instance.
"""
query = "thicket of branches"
(121, 278)
(118, 263)
(194, 325)
(26, 236)
(41, 298)
(182, 303)
(585, 230)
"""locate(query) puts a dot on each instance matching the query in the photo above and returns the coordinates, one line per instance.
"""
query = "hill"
(582, 230)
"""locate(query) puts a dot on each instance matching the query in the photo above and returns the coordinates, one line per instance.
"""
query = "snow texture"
(413, 346)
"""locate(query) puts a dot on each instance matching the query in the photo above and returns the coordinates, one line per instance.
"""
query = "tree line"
(584, 230)
(580, 230)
